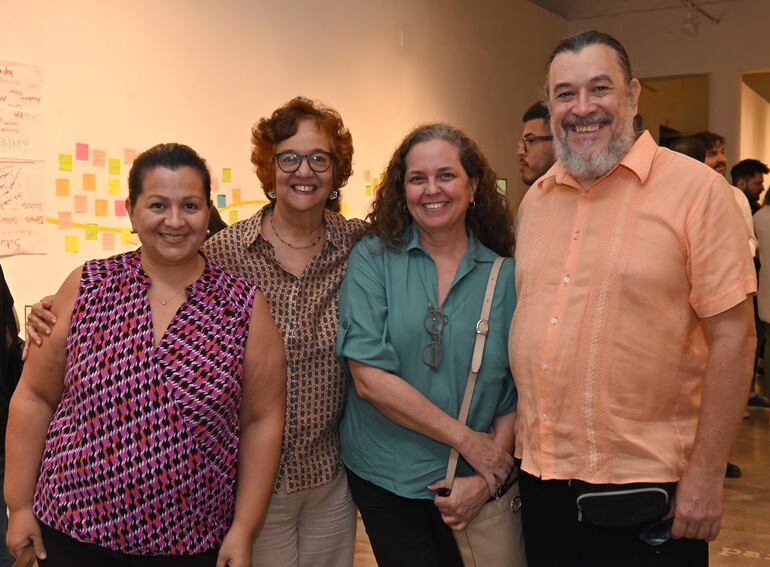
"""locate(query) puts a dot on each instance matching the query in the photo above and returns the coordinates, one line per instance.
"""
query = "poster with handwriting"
(22, 215)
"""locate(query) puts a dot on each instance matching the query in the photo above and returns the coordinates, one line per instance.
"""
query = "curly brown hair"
(283, 124)
(490, 220)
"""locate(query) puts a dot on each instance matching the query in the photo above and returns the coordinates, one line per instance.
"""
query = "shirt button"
(554, 320)
(544, 366)
(566, 279)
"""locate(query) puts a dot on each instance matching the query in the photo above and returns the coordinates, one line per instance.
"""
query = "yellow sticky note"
(233, 217)
(65, 162)
(89, 182)
(368, 190)
(92, 231)
(227, 175)
(100, 207)
(113, 166)
(113, 186)
(236, 195)
(126, 236)
(108, 241)
(344, 209)
(62, 187)
(72, 243)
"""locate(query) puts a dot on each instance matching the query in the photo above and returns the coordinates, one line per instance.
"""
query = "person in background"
(147, 429)
(10, 369)
(296, 251)
(607, 247)
(535, 146)
(408, 312)
(215, 223)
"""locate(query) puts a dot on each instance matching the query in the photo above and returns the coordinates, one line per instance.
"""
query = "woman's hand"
(468, 496)
(236, 548)
(24, 531)
(487, 457)
(39, 323)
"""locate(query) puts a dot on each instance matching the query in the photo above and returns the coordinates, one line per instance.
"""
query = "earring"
(333, 195)
(472, 204)
(271, 194)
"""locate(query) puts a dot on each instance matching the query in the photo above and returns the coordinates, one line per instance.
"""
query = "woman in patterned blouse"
(163, 377)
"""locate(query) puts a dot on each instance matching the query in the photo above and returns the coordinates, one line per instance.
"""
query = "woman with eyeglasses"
(296, 250)
(408, 312)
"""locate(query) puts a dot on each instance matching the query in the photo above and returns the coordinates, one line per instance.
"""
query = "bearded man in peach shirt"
(633, 337)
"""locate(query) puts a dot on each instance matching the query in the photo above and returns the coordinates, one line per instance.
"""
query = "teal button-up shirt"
(383, 305)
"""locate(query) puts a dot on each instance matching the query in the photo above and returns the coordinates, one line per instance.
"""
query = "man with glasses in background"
(535, 146)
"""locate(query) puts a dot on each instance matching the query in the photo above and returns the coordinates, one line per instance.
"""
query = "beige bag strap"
(482, 329)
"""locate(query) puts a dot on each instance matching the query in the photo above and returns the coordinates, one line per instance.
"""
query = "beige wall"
(755, 126)
(680, 103)
(131, 74)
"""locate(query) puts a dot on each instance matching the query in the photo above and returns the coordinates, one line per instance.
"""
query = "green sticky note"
(65, 162)
(113, 166)
(227, 175)
(92, 231)
(233, 217)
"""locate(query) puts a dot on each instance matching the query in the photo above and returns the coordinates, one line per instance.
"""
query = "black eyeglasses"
(529, 139)
(658, 533)
(318, 160)
(434, 323)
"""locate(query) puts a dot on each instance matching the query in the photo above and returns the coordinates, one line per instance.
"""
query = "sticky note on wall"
(98, 156)
(129, 156)
(65, 220)
(92, 231)
(108, 241)
(81, 204)
(100, 207)
(233, 217)
(81, 152)
(65, 162)
(120, 208)
(113, 166)
(113, 186)
(71, 243)
(236, 195)
(221, 201)
(62, 187)
(125, 236)
(89, 182)
(227, 175)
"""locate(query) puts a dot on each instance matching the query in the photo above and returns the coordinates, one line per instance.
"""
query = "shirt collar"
(638, 159)
(476, 251)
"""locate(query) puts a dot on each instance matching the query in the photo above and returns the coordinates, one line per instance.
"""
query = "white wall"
(130, 74)
(658, 48)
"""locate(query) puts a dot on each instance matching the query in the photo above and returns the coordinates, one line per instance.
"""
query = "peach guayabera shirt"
(606, 344)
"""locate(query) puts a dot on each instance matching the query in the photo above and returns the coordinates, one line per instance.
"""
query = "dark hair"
(490, 219)
(709, 139)
(171, 156)
(690, 146)
(577, 43)
(537, 110)
(215, 223)
(746, 169)
(283, 124)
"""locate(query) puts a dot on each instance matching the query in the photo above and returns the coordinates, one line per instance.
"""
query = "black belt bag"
(622, 505)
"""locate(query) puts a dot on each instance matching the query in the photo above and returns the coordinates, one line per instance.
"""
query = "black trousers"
(64, 551)
(404, 532)
(554, 537)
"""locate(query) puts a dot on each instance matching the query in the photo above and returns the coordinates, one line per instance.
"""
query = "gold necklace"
(177, 294)
(289, 244)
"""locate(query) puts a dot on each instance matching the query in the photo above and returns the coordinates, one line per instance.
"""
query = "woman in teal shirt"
(408, 310)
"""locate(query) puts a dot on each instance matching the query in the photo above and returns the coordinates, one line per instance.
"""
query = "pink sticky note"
(367, 175)
(99, 157)
(129, 156)
(120, 208)
(65, 220)
(81, 204)
(214, 183)
(108, 241)
(81, 152)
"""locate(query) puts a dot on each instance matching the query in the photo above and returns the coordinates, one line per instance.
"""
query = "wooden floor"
(745, 536)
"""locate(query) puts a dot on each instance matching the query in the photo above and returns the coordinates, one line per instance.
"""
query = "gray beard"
(595, 165)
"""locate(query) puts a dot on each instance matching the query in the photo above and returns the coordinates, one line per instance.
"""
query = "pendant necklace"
(289, 244)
